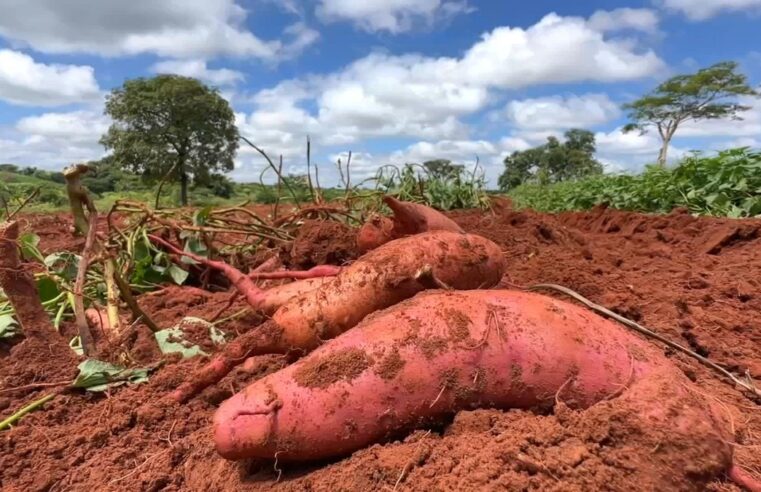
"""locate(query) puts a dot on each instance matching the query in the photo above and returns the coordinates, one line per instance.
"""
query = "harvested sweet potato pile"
(428, 379)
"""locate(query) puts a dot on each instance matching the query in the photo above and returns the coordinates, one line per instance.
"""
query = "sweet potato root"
(441, 352)
(381, 278)
(264, 300)
(409, 218)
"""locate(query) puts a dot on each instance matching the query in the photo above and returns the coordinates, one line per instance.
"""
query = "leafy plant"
(727, 184)
(95, 375)
(455, 188)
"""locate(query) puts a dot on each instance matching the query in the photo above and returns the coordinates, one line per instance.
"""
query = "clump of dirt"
(342, 365)
(390, 365)
(321, 242)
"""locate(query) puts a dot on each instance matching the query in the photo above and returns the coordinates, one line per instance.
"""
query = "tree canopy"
(710, 93)
(171, 128)
(553, 161)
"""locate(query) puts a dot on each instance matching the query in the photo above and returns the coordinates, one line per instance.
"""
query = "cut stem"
(25, 410)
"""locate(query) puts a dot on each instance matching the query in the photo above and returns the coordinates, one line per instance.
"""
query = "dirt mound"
(321, 242)
(694, 280)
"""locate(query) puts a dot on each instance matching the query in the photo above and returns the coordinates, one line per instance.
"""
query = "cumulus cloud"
(645, 20)
(55, 140)
(393, 16)
(26, 82)
(748, 126)
(172, 28)
(562, 112)
(199, 69)
(698, 10)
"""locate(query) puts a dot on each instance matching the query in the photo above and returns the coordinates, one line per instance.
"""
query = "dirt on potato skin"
(694, 280)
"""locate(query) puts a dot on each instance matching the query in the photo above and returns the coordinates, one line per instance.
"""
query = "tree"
(553, 161)
(707, 94)
(171, 128)
(442, 168)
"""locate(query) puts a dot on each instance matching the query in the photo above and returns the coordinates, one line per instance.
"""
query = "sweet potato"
(440, 352)
(409, 218)
(394, 272)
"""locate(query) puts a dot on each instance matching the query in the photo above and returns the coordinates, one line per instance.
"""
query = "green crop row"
(727, 184)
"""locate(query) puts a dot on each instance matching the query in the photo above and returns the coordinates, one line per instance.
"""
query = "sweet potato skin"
(275, 297)
(441, 352)
(409, 218)
(386, 276)
(378, 280)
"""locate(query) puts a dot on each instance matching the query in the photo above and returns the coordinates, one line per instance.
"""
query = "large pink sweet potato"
(381, 278)
(438, 353)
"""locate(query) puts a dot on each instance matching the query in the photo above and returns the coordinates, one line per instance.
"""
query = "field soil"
(697, 281)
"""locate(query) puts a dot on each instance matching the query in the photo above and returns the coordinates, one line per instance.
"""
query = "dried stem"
(272, 165)
(163, 181)
(85, 336)
(137, 312)
(112, 297)
(309, 169)
(23, 204)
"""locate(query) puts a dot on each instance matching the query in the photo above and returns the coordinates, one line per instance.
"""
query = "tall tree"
(171, 128)
(710, 93)
(442, 168)
(553, 161)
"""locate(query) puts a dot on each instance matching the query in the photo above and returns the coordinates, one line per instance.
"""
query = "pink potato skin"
(459, 350)
(409, 218)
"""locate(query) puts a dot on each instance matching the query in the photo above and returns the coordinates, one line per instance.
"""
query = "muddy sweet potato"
(440, 352)
(409, 218)
(381, 278)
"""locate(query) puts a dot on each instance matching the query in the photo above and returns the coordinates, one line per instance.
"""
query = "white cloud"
(645, 20)
(631, 151)
(562, 112)
(393, 16)
(26, 82)
(198, 69)
(171, 28)
(698, 10)
(54, 140)
(748, 126)
(78, 125)
(555, 50)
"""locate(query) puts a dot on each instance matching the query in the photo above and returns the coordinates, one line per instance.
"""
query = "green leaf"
(8, 326)
(172, 340)
(64, 264)
(96, 375)
(47, 288)
(200, 216)
(29, 243)
(178, 274)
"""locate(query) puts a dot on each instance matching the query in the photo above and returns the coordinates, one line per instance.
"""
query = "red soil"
(696, 281)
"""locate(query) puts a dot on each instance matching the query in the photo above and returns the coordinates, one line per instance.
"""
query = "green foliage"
(443, 187)
(95, 375)
(710, 93)
(728, 184)
(172, 340)
(552, 162)
(9, 328)
(172, 126)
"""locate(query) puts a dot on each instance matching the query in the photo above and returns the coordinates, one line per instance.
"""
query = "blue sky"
(393, 81)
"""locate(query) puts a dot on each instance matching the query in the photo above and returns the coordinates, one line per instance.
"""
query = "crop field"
(397, 347)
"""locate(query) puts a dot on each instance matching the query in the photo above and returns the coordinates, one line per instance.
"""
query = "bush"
(455, 189)
(728, 184)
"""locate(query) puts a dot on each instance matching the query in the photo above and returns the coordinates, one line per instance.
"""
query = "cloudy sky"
(393, 81)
